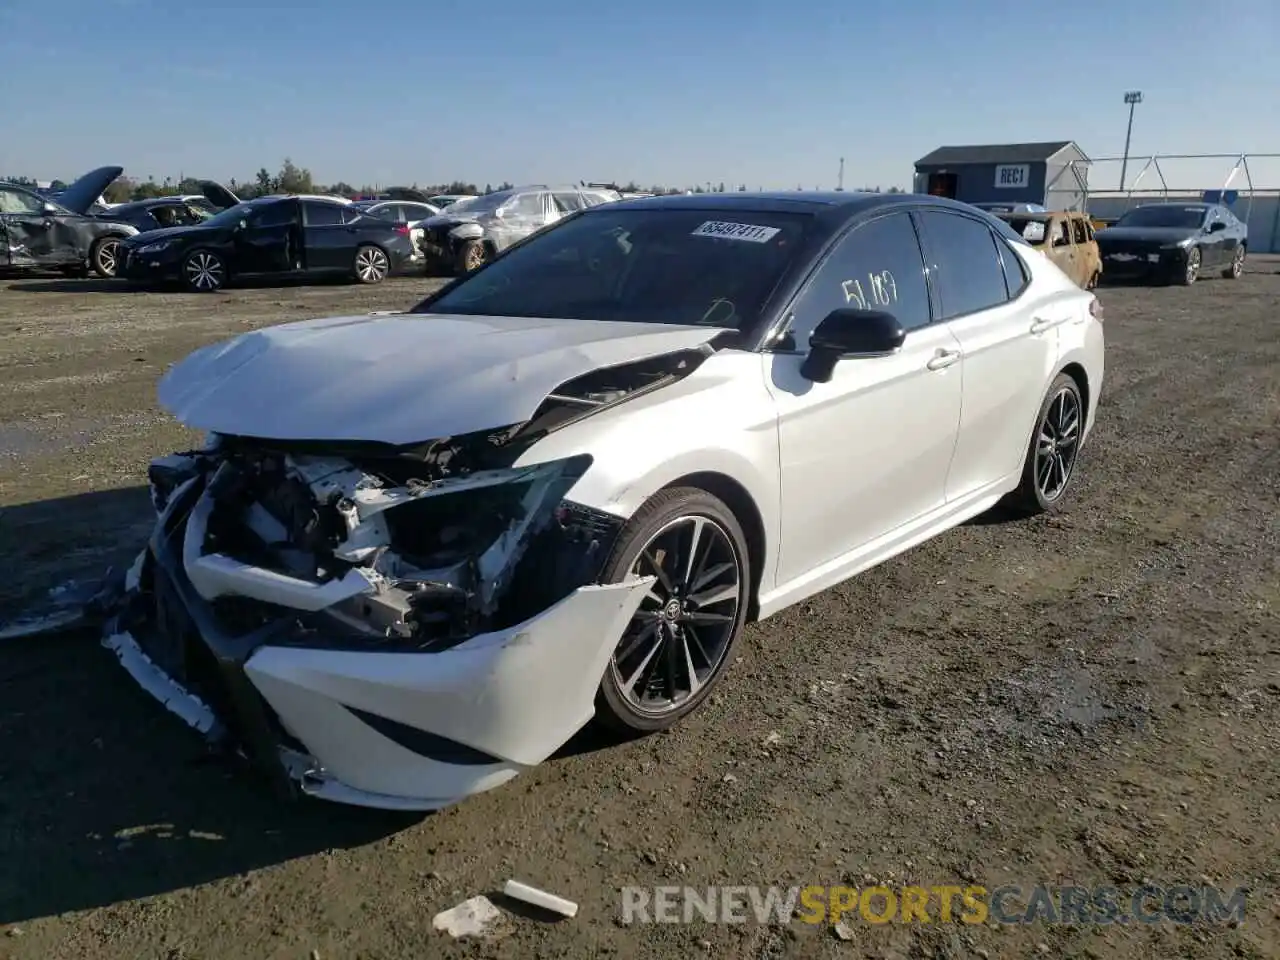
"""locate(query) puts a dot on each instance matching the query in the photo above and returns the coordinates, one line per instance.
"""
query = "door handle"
(1040, 325)
(943, 359)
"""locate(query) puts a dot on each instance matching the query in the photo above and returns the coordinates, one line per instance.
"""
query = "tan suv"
(1066, 238)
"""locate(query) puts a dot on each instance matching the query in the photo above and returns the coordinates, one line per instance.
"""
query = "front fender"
(464, 232)
(720, 419)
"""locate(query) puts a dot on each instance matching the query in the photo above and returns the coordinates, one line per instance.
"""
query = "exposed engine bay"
(399, 549)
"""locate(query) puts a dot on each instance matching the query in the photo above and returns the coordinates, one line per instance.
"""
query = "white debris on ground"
(477, 917)
(64, 609)
(540, 898)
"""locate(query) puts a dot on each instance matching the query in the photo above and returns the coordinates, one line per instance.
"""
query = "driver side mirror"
(1216, 226)
(49, 210)
(848, 334)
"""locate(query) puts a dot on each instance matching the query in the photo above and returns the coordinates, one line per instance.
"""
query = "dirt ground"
(1088, 699)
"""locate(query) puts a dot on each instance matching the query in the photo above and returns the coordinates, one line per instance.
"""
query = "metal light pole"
(840, 182)
(1132, 98)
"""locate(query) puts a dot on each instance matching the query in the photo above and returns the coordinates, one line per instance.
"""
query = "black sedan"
(1174, 242)
(160, 213)
(271, 236)
(39, 232)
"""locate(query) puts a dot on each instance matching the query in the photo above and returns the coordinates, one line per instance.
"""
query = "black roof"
(996, 153)
(793, 201)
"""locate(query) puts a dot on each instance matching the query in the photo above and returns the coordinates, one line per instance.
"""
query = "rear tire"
(678, 645)
(372, 264)
(203, 271)
(104, 256)
(1053, 451)
(1236, 267)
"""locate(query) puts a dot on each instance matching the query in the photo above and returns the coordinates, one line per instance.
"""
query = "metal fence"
(1249, 183)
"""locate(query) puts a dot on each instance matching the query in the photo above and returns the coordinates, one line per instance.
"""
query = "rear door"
(1215, 244)
(330, 241)
(1008, 339)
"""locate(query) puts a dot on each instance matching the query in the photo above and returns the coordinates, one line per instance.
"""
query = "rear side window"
(1077, 228)
(352, 214)
(1016, 277)
(970, 270)
(321, 214)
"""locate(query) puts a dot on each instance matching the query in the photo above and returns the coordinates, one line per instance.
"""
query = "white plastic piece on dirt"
(471, 918)
(63, 610)
(540, 898)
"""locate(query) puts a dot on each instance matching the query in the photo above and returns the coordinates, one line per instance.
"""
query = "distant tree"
(58, 185)
(488, 188)
(506, 185)
(631, 187)
(294, 179)
(264, 183)
(896, 190)
(147, 190)
(720, 189)
(742, 188)
(698, 189)
(119, 190)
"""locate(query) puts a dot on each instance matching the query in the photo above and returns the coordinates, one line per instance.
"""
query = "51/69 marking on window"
(883, 290)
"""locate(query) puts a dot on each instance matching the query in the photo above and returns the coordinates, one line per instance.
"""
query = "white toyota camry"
(420, 550)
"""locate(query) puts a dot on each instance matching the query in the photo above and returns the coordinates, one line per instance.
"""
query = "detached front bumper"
(395, 730)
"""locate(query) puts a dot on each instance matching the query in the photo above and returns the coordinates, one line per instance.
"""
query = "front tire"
(1236, 267)
(1191, 271)
(104, 257)
(472, 256)
(203, 271)
(1055, 446)
(372, 264)
(676, 647)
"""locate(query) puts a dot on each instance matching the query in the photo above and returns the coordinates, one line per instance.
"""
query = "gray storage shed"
(1055, 174)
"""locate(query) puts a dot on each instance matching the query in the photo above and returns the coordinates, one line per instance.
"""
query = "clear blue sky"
(669, 91)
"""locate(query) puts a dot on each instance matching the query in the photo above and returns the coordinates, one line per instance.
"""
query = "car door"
(35, 237)
(1008, 337)
(1062, 249)
(268, 243)
(1214, 246)
(329, 241)
(868, 451)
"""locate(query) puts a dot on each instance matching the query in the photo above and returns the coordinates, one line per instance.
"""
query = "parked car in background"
(1066, 238)
(443, 200)
(419, 552)
(163, 212)
(271, 236)
(37, 231)
(470, 232)
(407, 215)
(1175, 242)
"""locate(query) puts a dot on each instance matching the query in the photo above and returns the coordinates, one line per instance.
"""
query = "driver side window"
(878, 266)
(16, 201)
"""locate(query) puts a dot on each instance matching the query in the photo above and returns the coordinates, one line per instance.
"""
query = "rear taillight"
(402, 230)
(1095, 310)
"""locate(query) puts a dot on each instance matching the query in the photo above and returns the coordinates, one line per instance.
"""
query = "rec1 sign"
(1012, 175)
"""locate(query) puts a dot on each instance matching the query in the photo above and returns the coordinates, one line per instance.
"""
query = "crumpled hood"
(401, 378)
(1153, 234)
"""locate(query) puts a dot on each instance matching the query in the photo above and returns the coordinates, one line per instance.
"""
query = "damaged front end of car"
(391, 627)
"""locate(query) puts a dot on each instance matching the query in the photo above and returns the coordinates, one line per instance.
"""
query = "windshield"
(1187, 218)
(481, 205)
(231, 215)
(647, 266)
